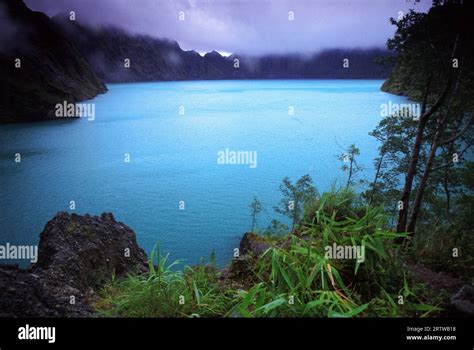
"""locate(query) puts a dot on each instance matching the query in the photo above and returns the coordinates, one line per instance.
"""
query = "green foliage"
(446, 248)
(297, 279)
(165, 292)
(295, 196)
(434, 55)
(445, 221)
(407, 302)
(395, 134)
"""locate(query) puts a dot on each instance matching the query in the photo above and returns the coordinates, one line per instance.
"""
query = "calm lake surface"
(173, 132)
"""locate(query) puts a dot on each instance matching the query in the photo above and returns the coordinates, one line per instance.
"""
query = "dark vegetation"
(49, 71)
(425, 165)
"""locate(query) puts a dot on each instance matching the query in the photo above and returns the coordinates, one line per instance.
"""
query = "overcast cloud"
(245, 26)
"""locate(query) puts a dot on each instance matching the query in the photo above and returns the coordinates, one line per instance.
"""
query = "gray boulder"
(76, 256)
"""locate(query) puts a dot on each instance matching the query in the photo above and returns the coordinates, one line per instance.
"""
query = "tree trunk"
(448, 194)
(405, 198)
(421, 187)
(412, 167)
(435, 144)
(377, 173)
(350, 173)
(410, 176)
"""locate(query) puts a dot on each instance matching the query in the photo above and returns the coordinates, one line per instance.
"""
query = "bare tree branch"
(451, 163)
(459, 134)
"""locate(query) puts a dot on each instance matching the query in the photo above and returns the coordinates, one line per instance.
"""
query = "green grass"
(166, 292)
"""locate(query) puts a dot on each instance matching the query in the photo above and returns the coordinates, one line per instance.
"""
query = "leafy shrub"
(165, 292)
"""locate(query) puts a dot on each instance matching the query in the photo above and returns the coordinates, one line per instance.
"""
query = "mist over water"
(174, 157)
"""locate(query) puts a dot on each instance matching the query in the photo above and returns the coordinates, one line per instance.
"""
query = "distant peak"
(213, 53)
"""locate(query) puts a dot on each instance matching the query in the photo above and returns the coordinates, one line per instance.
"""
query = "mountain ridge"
(153, 59)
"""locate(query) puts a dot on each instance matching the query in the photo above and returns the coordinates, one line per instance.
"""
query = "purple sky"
(246, 26)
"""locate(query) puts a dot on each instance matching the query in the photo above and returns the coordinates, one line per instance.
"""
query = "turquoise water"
(173, 157)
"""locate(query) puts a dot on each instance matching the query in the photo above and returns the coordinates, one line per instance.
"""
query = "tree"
(255, 209)
(295, 196)
(350, 163)
(432, 50)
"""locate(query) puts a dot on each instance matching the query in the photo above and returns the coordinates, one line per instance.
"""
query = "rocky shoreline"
(77, 255)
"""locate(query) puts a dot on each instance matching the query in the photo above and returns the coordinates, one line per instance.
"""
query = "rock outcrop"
(77, 254)
(462, 303)
(22, 294)
(39, 67)
(238, 274)
(252, 243)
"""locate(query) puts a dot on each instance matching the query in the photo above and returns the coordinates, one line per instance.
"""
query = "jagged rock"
(252, 243)
(21, 294)
(463, 301)
(238, 275)
(77, 254)
(84, 249)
